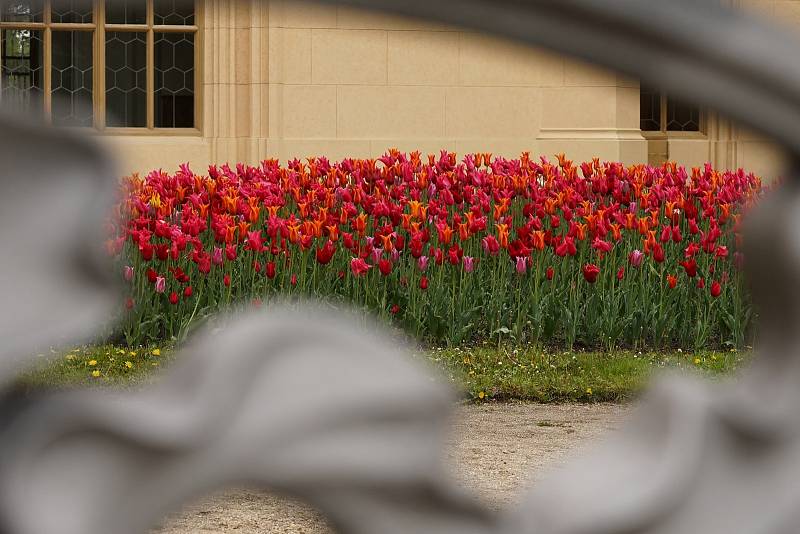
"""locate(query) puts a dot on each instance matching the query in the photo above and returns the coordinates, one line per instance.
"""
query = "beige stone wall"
(287, 79)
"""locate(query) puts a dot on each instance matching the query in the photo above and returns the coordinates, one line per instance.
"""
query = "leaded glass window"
(124, 64)
(660, 113)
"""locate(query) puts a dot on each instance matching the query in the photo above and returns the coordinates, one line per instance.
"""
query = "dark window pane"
(126, 79)
(682, 117)
(126, 12)
(73, 11)
(175, 12)
(649, 110)
(72, 78)
(174, 80)
(21, 87)
(21, 10)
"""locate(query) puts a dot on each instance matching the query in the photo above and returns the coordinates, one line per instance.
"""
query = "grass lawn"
(482, 373)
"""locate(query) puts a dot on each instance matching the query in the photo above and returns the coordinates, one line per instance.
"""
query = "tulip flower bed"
(528, 251)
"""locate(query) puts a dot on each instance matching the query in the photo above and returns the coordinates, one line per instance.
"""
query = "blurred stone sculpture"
(320, 410)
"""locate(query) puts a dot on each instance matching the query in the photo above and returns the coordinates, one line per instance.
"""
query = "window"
(659, 113)
(127, 64)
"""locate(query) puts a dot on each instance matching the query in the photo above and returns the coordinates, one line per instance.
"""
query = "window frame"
(99, 27)
(663, 133)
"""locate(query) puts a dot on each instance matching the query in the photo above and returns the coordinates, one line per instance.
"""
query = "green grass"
(535, 375)
(481, 373)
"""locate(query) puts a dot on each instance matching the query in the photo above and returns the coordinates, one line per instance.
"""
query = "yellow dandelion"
(129, 365)
(481, 395)
(697, 361)
(132, 353)
(96, 373)
(92, 363)
(588, 391)
(156, 352)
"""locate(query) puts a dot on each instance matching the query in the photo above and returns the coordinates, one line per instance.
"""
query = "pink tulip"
(161, 284)
(127, 272)
(423, 263)
(376, 255)
(216, 257)
(636, 258)
(522, 264)
(469, 263)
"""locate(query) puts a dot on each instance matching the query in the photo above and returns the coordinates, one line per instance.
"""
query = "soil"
(495, 450)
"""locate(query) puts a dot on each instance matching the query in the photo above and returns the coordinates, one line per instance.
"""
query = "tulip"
(173, 298)
(549, 273)
(385, 267)
(422, 262)
(270, 270)
(161, 284)
(522, 264)
(359, 267)
(490, 245)
(590, 272)
(129, 303)
(293, 280)
(469, 263)
(325, 253)
(658, 253)
(395, 309)
(621, 273)
(230, 252)
(672, 281)
(226, 280)
(716, 289)
(636, 258)
(127, 273)
(216, 256)
(423, 283)
(690, 266)
(187, 292)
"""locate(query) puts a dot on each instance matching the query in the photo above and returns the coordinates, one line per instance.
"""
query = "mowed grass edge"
(480, 373)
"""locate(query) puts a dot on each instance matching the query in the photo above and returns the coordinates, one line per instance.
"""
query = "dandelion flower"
(481, 395)
(697, 361)
(92, 363)
(96, 373)
(588, 391)
(129, 365)
(156, 352)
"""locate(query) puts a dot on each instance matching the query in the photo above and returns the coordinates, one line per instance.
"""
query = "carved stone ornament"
(314, 407)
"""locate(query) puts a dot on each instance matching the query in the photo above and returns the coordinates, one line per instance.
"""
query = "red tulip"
(549, 273)
(129, 303)
(658, 253)
(590, 272)
(187, 292)
(716, 289)
(270, 270)
(325, 253)
(672, 281)
(423, 282)
(359, 267)
(226, 280)
(152, 275)
(385, 267)
(395, 309)
(621, 273)
(293, 280)
(690, 266)
(701, 283)
(173, 298)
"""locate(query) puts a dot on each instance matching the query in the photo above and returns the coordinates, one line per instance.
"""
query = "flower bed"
(486, 248)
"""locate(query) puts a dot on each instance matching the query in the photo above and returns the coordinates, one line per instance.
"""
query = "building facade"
(163, 82)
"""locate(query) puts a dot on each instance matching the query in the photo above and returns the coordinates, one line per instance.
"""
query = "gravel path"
(496, 450)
